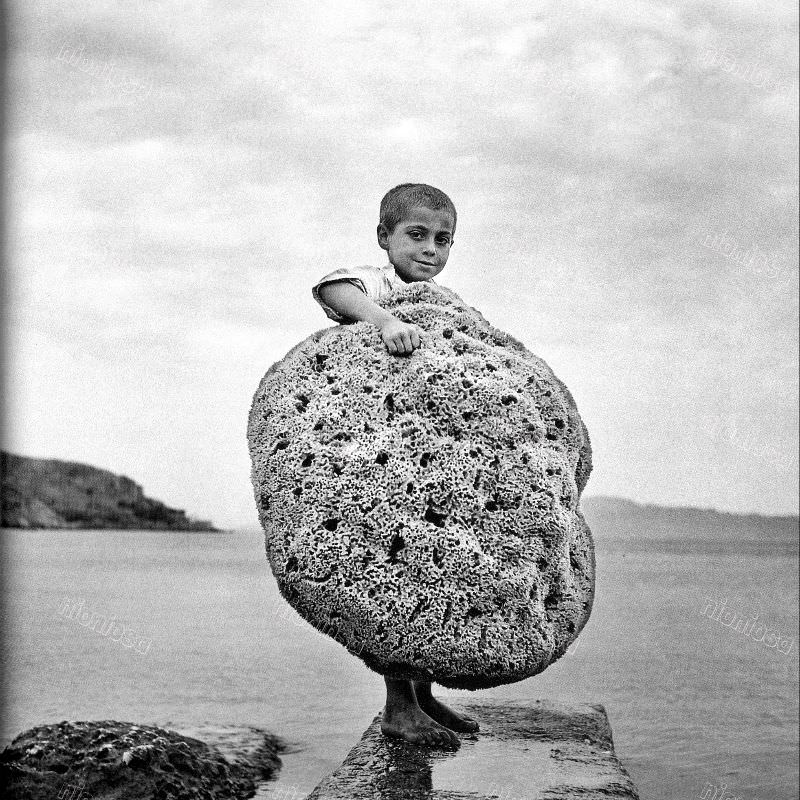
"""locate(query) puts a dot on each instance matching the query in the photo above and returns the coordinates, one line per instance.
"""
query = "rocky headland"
(47, 493)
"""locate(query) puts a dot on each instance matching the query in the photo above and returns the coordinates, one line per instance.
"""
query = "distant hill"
(45, 493)
(616, 518)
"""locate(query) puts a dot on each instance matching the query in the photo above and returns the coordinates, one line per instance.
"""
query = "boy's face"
(419, 245)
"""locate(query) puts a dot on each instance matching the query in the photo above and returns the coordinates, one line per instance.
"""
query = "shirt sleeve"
(368, 279)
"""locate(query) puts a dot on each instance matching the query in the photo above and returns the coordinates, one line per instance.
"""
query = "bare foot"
(440, 713)
(414, 725)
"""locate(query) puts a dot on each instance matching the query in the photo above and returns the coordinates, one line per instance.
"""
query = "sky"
(180, 174)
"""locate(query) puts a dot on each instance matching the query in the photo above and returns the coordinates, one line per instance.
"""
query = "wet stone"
(525, 750)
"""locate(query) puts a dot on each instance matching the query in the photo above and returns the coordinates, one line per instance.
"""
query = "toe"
(426, 737)
(441, 736)
(449, 738)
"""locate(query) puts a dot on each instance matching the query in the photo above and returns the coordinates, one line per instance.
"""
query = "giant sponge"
(424, 510)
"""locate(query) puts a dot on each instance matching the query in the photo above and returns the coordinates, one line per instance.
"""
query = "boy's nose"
(429, 248)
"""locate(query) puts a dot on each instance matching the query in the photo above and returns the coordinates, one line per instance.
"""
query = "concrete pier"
(525, 750)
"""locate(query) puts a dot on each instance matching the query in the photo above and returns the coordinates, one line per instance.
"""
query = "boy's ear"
(383, 237)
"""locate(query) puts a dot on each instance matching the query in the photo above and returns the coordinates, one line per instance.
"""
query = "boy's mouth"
(426, 263)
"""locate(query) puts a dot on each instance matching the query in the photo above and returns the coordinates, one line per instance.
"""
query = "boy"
(416, 228)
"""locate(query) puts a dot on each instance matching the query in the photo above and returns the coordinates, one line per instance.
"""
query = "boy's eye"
(444, 240)
(415, 234)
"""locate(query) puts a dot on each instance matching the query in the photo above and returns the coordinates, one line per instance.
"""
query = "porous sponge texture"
(424, 510)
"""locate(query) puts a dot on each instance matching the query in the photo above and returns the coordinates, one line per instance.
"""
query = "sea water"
(190, 629)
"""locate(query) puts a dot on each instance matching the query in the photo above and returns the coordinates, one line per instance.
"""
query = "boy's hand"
(349, 301)
(400, 338)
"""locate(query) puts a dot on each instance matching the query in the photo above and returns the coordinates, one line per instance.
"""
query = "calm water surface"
(691, 702)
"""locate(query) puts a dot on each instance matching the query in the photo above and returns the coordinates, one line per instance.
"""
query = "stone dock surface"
(525, 750)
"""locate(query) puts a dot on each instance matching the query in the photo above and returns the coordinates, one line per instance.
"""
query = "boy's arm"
(349, 301)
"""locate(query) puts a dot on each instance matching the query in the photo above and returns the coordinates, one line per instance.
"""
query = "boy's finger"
(406, 338)
(415, 339)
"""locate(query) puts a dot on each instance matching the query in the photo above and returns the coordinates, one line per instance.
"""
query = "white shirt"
(375, 282)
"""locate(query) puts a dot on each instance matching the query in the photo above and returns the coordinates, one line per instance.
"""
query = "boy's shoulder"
(375, 282)
(368, 278)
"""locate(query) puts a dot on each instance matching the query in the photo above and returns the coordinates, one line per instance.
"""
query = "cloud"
(180, 176)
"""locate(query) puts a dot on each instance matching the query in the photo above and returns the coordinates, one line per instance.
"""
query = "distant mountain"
(617, 518)
(45, 493)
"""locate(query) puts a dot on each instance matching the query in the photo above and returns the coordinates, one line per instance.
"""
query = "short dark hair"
(398, 202)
